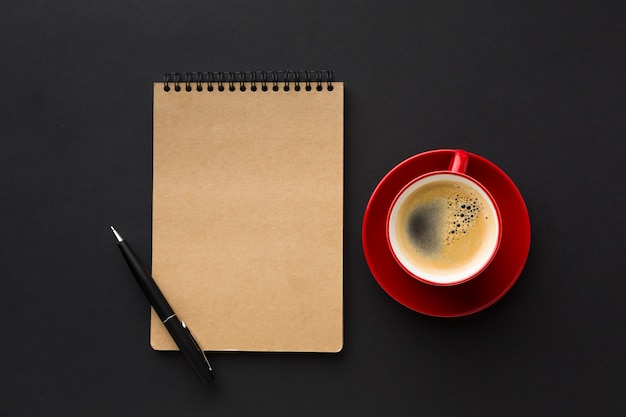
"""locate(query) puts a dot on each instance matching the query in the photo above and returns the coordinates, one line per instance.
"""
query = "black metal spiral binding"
(241, 80)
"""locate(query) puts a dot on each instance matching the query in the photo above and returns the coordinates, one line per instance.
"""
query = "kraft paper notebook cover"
(248, 209)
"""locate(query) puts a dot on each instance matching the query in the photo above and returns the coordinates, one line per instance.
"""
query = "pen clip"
(197, 346)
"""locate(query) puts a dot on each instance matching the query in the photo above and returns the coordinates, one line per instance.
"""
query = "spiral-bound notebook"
(248, 209)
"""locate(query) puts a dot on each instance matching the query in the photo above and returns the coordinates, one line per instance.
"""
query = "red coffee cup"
(444, 227)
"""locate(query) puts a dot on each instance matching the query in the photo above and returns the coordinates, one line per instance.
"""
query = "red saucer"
(457, 300)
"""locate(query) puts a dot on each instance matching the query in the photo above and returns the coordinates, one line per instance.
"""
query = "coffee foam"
(454, 215)
(445, 227)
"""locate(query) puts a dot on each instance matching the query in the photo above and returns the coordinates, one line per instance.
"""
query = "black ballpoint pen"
(177, 329)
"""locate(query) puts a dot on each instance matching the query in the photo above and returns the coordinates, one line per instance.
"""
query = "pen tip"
(117, 235)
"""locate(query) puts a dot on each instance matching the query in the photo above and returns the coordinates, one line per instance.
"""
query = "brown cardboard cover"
(248, 217)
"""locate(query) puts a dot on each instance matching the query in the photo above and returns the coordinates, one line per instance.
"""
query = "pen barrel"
(145, 281)
(181, 334)
(190, 349)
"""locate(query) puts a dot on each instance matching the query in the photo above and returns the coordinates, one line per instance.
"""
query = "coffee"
(444, 227)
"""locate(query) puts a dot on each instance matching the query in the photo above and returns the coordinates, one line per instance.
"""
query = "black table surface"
(536, 87)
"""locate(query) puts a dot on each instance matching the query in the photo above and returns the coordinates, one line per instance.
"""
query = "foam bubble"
(460, 217)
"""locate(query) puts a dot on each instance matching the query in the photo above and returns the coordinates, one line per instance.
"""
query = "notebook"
(248, 209)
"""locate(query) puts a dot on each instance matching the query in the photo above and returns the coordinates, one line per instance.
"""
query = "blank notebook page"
(248, 217)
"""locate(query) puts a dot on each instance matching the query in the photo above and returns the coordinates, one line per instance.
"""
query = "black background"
(536, 87)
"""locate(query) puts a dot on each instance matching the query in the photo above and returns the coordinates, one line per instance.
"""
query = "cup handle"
(459, 161)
